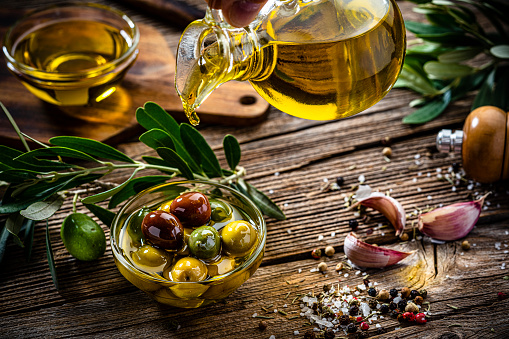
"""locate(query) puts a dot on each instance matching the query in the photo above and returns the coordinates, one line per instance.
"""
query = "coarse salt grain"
(414, 180)
(276, 174)
(361, 178)
(325, 180)
(272, 337)
(419, 189)
(300, 270)
(289, 231)
(320, 237)
(417, 156)
(271, 191)
(346, 275)
(453, 188)
(254, 315)
(429, 197)
(439, 170)
(378, 325)
(332, 234)
(296, 332)
(313, 270)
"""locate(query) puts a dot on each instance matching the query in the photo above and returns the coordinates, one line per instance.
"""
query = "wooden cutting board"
(113, 119)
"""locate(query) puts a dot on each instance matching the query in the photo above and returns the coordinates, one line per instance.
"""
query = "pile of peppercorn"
(404, 304)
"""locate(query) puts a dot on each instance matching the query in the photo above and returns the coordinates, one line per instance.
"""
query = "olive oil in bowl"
(76, 57)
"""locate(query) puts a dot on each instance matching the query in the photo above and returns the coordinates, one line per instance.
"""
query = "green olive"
(220, 210)
(83, 237)
(205, 242)
(188, 270)
(150, 256)
(238, 237)
(134, 226)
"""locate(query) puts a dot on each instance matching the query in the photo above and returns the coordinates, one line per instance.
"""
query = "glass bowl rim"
(95, 71)
(142, 275)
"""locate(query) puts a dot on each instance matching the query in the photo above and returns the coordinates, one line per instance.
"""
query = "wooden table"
(291, 160)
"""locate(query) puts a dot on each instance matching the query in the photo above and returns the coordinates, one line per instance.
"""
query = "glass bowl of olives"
(188, 243)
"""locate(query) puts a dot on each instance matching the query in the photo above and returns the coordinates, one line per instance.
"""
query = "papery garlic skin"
(389, 207)
(451, 222)
(365, 255)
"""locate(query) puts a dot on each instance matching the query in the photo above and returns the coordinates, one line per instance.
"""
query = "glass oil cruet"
(314, 59)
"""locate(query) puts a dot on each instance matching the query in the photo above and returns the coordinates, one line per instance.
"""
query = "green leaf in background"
(8, 155)
(43, 209)
(106, 216)
(428, 49)
(459, 55)
(109, 193)
(157, 162)
(17, 175)
(154, 116)
(4, 236)
(438, 70)
(135, 186)
(494, 91)
(231, 149)
(92, 147)
(197, 143)
(13, 224)
(156, 138)
(422, 28)
(55, 151)
(29, 238)
(429, 111)
(264, 203)
(51, 260)
(173, 159)
(500, 51)
(411, 78)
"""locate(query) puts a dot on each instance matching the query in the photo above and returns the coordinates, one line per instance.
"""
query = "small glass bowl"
(72, 54)
(187, 294)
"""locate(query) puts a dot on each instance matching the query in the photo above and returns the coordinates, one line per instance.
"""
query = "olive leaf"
(51, 260)
(156, 138)
(92, 147)
(28, 239)
(135, 186)
(231, 149)
(106, 216)
(438, 70)
(264, 203)
(109, 193)
(13, 224)
(55, 151)
(43, 209)
(500, 51)
(429, 111)
(4, 236)
(174, 159)
(195, 142)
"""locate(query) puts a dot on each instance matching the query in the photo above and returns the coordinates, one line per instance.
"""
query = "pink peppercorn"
(359, 319)
(364, 326)
(502, 296)
(409, 316)
(420, 318)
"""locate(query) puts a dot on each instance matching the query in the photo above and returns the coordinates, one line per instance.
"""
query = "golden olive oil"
(74, 58)
(330, 60)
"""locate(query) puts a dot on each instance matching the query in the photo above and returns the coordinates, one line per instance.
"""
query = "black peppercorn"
(394, 314)
(326, 288)
(393, 305)
(455, 167)
(262, 325)
(423, 293)
(340, 181)
(372, 303)
(384, 308)
(351, 328)
(354, 309)
(402, 304)
(344, 320)
(418, 300)
(353, 223)
(372, 292)
(393, 292)
(329, 334)
(414, 293)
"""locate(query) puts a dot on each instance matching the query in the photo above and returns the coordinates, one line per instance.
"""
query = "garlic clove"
(365, 255)
(451, 222)
(388, 206)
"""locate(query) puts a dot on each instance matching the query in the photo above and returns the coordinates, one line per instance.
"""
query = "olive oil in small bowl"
(72, 54)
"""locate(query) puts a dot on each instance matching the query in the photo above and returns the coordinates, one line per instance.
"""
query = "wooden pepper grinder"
(483, 144)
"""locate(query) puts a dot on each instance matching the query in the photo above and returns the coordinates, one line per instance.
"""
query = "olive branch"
(438, 63)
(38, 180)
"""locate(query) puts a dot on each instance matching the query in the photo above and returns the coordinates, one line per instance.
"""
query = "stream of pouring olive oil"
(326, 60)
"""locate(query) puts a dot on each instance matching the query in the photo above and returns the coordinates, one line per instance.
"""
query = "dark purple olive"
(163, 229)
(192, 209)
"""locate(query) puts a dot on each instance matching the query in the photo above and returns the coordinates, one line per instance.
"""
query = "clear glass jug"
(314, 59)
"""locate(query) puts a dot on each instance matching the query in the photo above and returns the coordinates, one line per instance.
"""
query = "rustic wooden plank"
(467, 280)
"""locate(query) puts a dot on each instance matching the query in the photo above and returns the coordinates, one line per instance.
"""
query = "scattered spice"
(404, 237)
(353, 223)
(340, 181)
(339, 266)
(502, 296)
(452, 306)
(405, 292)
(316, 253)
(262, 325)
(465, 245)
(322, 267)
(329, 251)
(387, 151)
(411, 307)
(262, 317)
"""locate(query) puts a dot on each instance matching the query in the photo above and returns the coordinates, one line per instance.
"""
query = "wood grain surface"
(293, 161)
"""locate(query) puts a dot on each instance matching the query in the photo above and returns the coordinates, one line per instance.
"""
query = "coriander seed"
(329, 251)
(387, 151)
(322, 267)
(405, 292)
(339, 266)
(411, 307)
(262, 325)
(404, 237)
(465, 245)
(383, 295)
